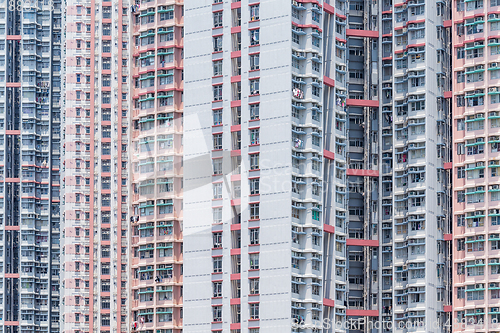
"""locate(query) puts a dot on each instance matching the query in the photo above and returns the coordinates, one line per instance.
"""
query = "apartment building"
(414, 156)
(475, 160)
(156, 162)
(30, 138)
(253, 167)
(95, 206)
(317, 166)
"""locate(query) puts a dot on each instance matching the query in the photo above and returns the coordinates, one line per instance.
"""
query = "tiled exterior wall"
(157, 169)
(30, 139)
(475, 159)
(96, 167)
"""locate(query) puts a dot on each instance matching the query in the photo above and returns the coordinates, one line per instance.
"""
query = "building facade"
(30, 162)
(95, 207)
(156, 167)
(317, 166)
(254, 166)
(475, 161)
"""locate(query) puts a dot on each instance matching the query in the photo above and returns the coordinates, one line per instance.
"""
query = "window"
(254, 87)
(460, 220)
(475, 243)
(316, 91)
(217, 138)
(217, 40)
(460, 52)
(217, 287)
(460, 172)
(217, 264)
(217, 215)
(461, 244)
(254, 12)
(475, 146)
(217, 166)
(254, 186)
(254, 311)
(254, 37)
(217, 188)
(254, 260)
(254, 136)
(105, 320)
(254, 211)
(254, 111)
(476, 267)
(254, 162)
(254, 236)
(475, 194)
(254, 62)
(217, 313)
(474, 50)
(460, 196)
(217, 92)
(254, 286)
(217, 115)
(217, 19)
(217, 67)
(473, 5)
(217, 238)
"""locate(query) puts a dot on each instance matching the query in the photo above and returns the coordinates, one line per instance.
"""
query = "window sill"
(257, 20)
(254, 119)
(251, 220)
(254, 45)
(253, 244)
(254, 270)
(215, 28)
(254, 70)
(254, 145)
(253, 95)
(218, 125)
(217, 76)
(216, 149)
(217, 52)
(253, 195)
